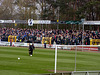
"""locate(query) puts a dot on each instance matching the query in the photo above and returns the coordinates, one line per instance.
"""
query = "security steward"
(45, 42)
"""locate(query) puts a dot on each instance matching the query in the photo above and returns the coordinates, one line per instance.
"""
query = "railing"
(85, 73)
(75, 73)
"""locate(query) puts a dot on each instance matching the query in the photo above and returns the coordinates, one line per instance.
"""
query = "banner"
(91, 22)
(12, 38)
(30, 22)
(1, 21)
(41, 22)
(47, 40)
(95, 42)
(21, 21)
(7, 21)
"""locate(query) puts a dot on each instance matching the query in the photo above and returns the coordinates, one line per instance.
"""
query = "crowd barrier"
(68, 47)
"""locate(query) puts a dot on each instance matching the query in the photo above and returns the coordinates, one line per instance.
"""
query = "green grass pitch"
(43, 61)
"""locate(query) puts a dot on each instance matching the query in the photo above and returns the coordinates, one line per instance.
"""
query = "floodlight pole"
(58, 18)
(82, 33)
(38, 19)
(83, 37)
(55, 59)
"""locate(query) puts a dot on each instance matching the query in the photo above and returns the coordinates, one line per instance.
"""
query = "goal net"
(72, 55)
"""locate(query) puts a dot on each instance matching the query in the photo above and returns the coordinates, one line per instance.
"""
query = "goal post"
(63, 47)
(74, 48)
(55, 59)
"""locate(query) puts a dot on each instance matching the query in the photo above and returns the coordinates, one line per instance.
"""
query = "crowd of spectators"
(61, 36)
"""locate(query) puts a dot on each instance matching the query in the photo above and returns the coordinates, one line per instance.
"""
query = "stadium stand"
(67, 37)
